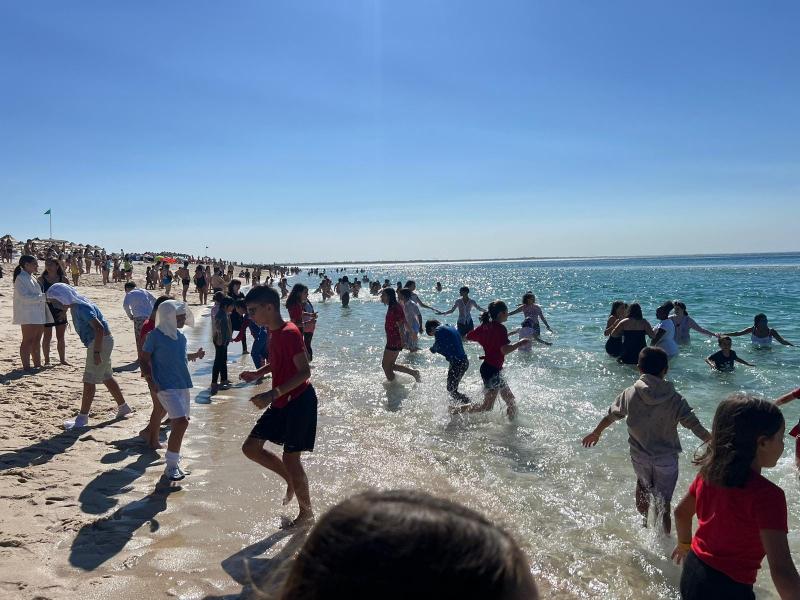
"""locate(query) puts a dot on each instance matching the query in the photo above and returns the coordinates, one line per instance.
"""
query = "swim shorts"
(294, 426)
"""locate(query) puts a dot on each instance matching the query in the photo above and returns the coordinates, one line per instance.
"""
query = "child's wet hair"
(725, 338)
(218, 297)
(463, 290)
(528, 297)
(614, 306)
(635, 311)
(739, 422)
(492, 311)
(431, 325)
(404, 293)
(407, 544)
(759, 317)
(652, 361)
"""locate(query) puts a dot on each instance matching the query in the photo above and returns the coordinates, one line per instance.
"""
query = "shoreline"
(787, 254)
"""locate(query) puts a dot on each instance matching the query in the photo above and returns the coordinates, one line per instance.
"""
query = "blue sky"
(345, 130)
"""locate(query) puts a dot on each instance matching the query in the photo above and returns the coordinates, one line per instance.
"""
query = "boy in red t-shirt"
(290, 418)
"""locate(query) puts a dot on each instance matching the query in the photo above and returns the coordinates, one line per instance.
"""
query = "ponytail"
(493, 310)
(25, 259)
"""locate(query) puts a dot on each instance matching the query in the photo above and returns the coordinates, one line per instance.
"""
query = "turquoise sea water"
(572, 508)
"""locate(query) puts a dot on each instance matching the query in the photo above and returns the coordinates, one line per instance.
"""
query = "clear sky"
(360, 129)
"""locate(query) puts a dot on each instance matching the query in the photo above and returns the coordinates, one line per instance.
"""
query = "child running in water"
(448, 343)
(742, 516)
(652, 409)
(395, 332)
(532, 313)
(165, 361)
(492, 335)
(290, 418)
(726, 358)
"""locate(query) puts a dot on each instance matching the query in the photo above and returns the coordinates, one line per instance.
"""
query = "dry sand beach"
(80, 510)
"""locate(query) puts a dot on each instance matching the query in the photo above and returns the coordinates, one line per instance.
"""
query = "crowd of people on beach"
(742, 516)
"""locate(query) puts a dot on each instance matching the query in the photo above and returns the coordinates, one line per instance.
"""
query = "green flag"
(48, 212)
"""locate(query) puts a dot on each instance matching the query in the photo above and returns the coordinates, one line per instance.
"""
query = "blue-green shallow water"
(571, 508)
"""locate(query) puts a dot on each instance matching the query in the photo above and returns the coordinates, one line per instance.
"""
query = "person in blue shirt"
(447, 342)
(93, 330)
(165, 363)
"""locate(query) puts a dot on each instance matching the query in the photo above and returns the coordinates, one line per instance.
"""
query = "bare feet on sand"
(304, 519)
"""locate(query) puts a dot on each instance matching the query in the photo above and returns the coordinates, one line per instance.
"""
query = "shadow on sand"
(44, 450)
(262, 577)
(99, 495)
(99, 541)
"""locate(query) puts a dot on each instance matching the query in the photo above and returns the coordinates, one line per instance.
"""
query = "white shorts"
(175, 402)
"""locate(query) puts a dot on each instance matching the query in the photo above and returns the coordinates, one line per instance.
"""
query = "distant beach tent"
(166, 259)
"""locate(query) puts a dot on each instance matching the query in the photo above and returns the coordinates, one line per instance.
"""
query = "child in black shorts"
(290, 418)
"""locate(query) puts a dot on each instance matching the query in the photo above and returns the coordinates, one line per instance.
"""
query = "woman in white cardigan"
(30, 311)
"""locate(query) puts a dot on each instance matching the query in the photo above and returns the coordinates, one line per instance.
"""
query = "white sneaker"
(77, 422)
(123, 411)
(174, 473)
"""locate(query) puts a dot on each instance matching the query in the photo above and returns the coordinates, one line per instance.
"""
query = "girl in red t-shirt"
(492, 335)
(395, 327)
(741, 515)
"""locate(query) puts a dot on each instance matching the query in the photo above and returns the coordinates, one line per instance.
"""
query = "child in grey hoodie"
(652, 409)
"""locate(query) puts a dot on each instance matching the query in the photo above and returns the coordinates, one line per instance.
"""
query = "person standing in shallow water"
(614, 343)
(632, 329)
(684, 324)
(290, 418)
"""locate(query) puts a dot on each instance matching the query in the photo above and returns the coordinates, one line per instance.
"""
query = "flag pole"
(50, 214)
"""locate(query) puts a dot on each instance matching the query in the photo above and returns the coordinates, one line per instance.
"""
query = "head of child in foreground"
(227, 304)
(747, 434)
(405, 544)
(263, 304)
(431, 325)
(653, 361)
(404, 295)
(463, 292)
(725, 342)
(496, 312)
